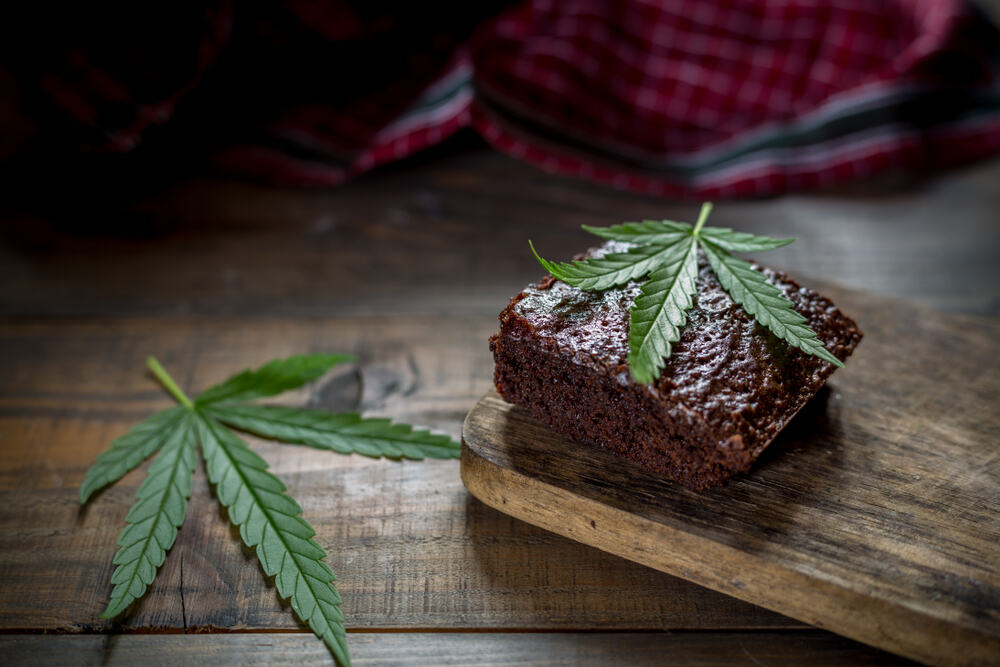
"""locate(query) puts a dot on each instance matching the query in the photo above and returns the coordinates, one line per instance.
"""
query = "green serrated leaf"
(270, 379)
(660, 311)
(600, 273)
(765, 302)
(269, 522)
(727, 239)
(161, 502)
(128, 451)
(666, 254)
(657, 232)
(344, 432)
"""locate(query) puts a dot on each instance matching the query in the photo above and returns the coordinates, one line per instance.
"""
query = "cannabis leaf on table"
(268, 519)
(665, 253)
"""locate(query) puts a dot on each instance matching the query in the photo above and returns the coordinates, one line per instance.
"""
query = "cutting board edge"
(879, 622)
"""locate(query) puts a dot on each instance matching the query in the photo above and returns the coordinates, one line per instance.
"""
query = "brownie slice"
(726, 391)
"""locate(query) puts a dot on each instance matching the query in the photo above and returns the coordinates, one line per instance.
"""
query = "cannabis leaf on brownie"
(665, 254)
(268, 518)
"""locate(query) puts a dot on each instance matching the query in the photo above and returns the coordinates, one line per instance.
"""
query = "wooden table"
(406, 269)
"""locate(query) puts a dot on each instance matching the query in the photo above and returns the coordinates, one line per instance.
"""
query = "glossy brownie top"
(725, 366)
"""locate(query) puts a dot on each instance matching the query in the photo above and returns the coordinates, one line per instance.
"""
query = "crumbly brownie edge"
(594, 409)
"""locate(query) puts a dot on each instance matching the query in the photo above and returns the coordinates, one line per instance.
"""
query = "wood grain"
(876, 514)
(410, 547)
(407, 268)
(449, 235)
(695, 649)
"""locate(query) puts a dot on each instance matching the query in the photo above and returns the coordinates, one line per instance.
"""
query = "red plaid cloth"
(689, 98)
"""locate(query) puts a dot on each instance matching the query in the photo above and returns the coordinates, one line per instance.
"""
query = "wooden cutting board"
(875, 514)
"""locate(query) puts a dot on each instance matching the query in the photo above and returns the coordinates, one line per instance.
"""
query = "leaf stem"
(164, 377)
(706, 208)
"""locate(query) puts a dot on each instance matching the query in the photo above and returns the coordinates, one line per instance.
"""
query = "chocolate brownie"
(726, 391)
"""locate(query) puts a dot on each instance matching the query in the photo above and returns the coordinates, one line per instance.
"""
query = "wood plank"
(411, 548)
(876, 514)
(450, 236)
(700, 649)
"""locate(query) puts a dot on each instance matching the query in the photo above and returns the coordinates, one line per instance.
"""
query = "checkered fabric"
(681, 98)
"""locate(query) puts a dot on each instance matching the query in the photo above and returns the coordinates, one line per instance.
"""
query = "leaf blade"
(345, 432)
(732, 241)
(272, 378)
(654, 232)
(600, 273)
(153, 521)
(270, 524)
(660, 311)
(765, 302)
(128, 451)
